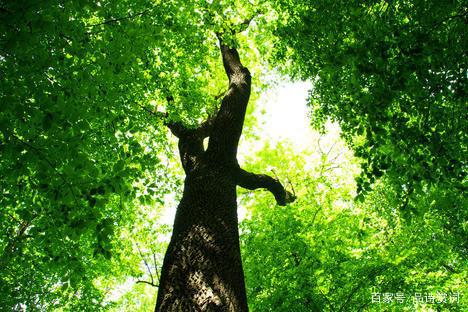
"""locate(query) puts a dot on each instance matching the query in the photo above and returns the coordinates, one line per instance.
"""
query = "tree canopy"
(87, 164)
(393, 74)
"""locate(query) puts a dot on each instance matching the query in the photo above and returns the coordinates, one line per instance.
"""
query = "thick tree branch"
(190, 140)
(177, 128)
(231, 60)
(204, 130)
(252, 181)
(227, 127)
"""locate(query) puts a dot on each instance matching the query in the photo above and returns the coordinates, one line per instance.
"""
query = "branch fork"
(224, 130)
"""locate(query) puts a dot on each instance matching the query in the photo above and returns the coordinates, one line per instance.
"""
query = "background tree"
(393, 74)
(327, 252)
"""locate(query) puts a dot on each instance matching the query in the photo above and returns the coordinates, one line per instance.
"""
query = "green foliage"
(327, 253)
(82, 155)
(79, 155)
(394, 75)
(86, 165)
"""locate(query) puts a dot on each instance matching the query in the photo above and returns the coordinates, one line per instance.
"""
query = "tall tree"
(202, 269)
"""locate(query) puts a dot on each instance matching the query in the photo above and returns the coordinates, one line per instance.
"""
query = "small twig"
(292, 186)
(320, 147)
(315, 215)
(336, 157)
(118, 19)
(331, 148)
(331, 168)
(146, 282)
(5, 10)
(10, 247)
(274, 172)
(11, 216)
(155, 264)
(461, 15)
(146, 264)
(152, 112)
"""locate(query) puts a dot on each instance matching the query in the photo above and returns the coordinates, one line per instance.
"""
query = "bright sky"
(285, 117)
(286, 113)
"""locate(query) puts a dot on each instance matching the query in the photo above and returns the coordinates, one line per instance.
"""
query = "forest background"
(87, 168)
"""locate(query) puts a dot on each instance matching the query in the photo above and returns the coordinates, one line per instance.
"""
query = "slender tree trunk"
(202, 269)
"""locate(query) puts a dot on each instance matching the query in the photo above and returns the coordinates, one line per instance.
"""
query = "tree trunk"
(202, 269)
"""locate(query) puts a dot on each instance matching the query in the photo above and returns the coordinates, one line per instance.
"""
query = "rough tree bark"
(202, 269)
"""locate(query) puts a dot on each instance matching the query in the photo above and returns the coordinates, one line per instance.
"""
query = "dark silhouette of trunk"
(202, 269)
